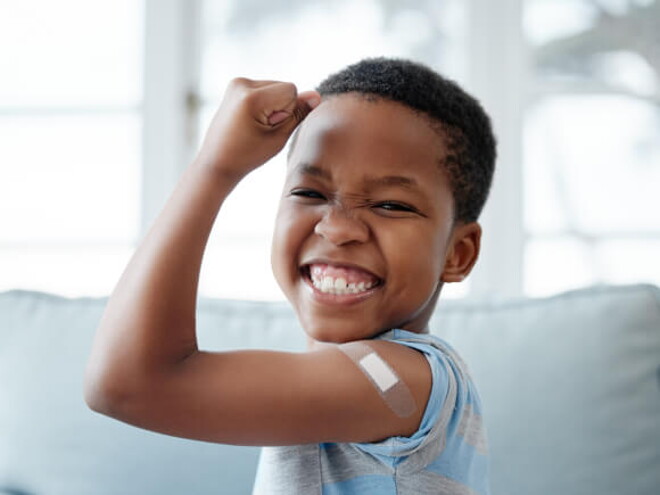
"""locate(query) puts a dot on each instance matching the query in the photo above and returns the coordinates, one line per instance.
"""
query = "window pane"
(591, 148)
(592, 165)
(630, 261)
(268, 41)
(246, 263)
(608, 43)
(70, 52)
(548, 20)
(68, 270)
(554, 265)
(69, 179)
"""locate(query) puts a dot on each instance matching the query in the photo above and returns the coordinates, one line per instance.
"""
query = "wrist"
(220, 173)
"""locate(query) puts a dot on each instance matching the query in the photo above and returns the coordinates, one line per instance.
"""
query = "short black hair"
(464, 125)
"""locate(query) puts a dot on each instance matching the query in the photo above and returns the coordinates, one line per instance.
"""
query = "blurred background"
(103, 104)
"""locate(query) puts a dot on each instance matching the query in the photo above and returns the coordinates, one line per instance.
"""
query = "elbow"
(105, 395)
(98, 398)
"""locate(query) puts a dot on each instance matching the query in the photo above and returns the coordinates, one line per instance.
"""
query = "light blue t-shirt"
(446, 455)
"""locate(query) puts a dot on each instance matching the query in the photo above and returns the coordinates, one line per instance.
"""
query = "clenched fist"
(253, 123)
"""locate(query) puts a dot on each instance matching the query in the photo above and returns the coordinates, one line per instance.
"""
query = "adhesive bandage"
(391, 388)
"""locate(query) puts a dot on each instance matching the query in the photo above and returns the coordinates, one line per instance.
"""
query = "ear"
(462, 253)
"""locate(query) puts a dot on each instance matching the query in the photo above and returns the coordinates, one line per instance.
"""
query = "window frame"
(497, 75)
(171, 81)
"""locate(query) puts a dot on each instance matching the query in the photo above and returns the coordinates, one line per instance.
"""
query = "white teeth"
(329, 285)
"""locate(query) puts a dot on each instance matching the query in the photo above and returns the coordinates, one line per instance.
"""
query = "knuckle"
(239, 85)
(290, 90)
(240, 81)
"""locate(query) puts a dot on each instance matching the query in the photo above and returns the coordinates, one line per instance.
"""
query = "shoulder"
(401, 375)
(448, 390)
(449, 381)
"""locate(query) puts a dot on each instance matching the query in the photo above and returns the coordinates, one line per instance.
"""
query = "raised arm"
(145, 367)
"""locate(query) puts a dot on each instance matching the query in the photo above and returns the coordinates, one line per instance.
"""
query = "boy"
(387, 174)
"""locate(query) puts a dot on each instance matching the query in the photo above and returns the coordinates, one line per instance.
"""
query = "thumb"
(311, 98)
(305, 102)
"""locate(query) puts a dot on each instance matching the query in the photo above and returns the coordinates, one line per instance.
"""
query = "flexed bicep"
(277, 398)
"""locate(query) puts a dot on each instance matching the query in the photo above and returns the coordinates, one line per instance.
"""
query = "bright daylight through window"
(70, 121)
(591, 144)
(97, 126)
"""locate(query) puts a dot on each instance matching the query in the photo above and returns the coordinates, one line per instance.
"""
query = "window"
(299, 43)
(70, 121)
(591, 146)
(96, 129)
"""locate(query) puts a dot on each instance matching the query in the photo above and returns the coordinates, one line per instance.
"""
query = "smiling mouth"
(339, 280)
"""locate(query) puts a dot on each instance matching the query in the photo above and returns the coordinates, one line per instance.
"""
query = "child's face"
(365, 220)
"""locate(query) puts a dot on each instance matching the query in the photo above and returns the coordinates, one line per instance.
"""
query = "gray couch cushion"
(569, 385)
(52, 444)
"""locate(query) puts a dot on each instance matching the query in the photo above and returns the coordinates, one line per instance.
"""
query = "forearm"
(149, 322)
(148, 327)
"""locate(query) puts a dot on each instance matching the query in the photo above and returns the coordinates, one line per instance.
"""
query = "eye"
(395, 207)
(307, 194)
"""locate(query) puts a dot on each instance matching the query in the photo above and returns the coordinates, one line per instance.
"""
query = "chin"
(337, 330)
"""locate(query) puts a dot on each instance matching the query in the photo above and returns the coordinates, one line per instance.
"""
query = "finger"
(278, 116)
(276, 100)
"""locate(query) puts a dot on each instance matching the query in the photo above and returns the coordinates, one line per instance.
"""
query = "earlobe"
(462, 253)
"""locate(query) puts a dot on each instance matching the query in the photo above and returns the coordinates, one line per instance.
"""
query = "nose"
(340, 227)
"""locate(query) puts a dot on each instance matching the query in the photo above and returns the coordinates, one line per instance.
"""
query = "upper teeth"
(331, 285)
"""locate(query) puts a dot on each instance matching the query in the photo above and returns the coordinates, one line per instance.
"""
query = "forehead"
(381, 137)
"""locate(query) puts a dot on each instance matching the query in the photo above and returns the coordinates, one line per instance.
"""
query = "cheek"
(288, 237)
(417, 257)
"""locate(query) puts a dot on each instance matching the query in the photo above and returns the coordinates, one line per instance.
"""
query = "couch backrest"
(51, 443)
(570, 386)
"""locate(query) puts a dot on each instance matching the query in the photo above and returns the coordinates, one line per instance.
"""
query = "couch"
(570, 386)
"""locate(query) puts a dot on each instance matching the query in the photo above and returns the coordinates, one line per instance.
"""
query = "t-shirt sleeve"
(436, 416)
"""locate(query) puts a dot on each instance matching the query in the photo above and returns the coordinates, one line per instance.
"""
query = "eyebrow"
(313, 170)
(370, 182)
(391, 180)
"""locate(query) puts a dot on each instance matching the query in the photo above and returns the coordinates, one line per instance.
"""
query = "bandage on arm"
(387, 383)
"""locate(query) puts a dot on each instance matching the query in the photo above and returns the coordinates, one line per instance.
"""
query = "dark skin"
(364, 192)
(348, 203)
